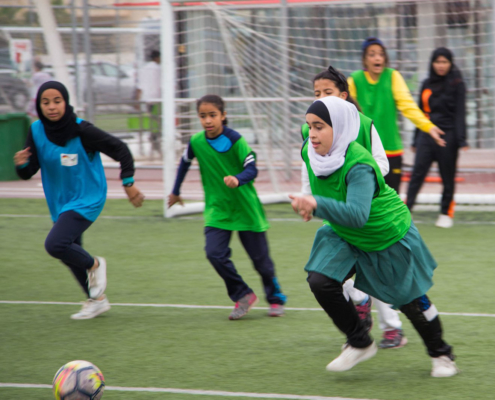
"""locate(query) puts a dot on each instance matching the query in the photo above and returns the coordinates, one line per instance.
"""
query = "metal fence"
(260, 58)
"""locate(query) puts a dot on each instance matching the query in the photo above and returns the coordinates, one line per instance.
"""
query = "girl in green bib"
(367, 231)
(381, 91)
(331, 82)
(228, 167)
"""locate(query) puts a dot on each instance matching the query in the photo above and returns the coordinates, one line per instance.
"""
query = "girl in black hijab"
(443, 100)
(67, 151)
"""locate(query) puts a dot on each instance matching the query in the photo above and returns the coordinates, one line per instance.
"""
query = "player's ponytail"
(217, 101)
(351, 100)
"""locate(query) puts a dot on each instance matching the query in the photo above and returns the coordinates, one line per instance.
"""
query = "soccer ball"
(78, 380)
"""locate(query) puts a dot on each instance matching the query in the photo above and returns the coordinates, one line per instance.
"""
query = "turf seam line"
(190, 391)
(117, 217)
(195, 306)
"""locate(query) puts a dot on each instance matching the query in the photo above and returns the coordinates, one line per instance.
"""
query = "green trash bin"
(13, 132)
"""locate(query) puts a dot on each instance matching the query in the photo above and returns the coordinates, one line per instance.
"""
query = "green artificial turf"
(156, 261)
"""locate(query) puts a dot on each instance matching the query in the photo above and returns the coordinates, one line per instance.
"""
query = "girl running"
(332, 83)
(228, 167)
(367, 231)
(443, 99)
(67, 150)
(381, 91)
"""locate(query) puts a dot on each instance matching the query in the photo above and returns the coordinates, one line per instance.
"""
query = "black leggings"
(428, 151)
(64, 242)
(330, 296)
(394, 175)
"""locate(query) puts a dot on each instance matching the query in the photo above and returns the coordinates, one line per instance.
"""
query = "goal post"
(168, 100)
(261, 56)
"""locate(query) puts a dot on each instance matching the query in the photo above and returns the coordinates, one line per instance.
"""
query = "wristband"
(128, 182)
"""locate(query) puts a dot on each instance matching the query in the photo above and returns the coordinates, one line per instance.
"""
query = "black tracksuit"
(445, 105)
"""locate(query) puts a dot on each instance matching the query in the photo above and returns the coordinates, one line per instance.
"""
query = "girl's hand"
(173, 199)
(304, 206)
(231, 181)
(465, 148)
(22, 157)
(135, 196)
(413, 149)
(436, 133)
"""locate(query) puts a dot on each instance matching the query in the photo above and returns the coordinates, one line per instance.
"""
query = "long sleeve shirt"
(93, 139)
(403, 100)
(247, 175)
(355, 211)
(446, 108)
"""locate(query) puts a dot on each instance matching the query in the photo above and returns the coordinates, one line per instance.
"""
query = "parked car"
(14, 94)
(111, 84)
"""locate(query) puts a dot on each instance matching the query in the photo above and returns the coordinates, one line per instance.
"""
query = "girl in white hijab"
(344, 121)
(367, 231)
(345, 126)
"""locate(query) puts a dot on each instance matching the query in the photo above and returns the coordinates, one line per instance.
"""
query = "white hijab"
(346, 123)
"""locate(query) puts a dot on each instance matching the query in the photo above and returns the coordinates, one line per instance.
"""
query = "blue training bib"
(72, 179)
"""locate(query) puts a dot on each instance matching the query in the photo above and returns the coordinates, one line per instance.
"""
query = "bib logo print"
(68, 160)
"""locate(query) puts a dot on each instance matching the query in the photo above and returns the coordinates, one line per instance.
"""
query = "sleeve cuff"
(426, 127)
(23, 165)
(130, 179)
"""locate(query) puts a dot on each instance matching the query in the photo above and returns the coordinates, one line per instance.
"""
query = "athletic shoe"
(351, 356)
(443, 367)
(92, 308)
(276, 310)
(364, 313)
(97, 279)
(393, 339)
(444, 221)
(243, 306)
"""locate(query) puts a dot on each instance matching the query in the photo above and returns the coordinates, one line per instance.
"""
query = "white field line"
(205, 307)
(198, 218)
(190, 391)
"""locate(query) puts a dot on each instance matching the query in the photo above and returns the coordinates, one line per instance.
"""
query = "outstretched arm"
(94, 139)
(354, 212)
(185, 163)
(410, 110)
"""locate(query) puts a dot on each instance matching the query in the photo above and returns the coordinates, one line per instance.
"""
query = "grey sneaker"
(393, 339)
(97, 279)
(92, 308)
(276, 310)
(243, 306)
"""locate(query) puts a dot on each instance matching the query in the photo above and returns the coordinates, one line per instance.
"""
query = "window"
(112, 71)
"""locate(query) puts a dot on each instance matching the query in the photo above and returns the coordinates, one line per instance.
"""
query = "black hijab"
(66, 128)
(437, 82)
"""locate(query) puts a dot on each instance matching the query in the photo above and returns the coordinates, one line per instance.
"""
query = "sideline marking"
(195, 306)
(190, 391)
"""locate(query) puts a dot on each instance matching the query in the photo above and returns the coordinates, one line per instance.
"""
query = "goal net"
(261, 56)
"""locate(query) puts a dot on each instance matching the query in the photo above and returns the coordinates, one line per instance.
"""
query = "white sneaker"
(444, 221)
(352, 356)
(97, 279)
(443, 367)
(92, 308)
